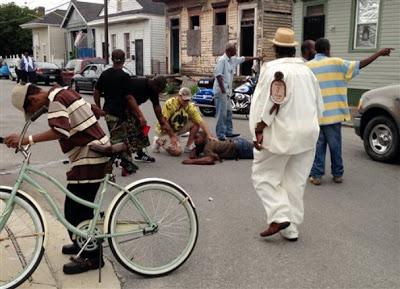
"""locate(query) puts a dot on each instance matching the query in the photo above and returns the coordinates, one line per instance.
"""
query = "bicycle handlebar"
(38, 113)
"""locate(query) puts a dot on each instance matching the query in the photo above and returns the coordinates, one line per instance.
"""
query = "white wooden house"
(138, 28)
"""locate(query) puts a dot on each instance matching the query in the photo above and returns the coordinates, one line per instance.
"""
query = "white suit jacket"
(295, 128)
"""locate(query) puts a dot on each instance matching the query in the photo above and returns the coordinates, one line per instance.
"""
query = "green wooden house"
(356, 29)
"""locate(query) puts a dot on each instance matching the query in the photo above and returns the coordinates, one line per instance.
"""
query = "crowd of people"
(296, 112)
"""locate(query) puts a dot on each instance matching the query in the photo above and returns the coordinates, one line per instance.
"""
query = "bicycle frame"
(23, 176)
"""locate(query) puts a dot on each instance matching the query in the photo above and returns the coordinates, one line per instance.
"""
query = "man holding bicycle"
(73, 122)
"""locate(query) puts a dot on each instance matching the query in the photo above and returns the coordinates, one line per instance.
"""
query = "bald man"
(308, 50)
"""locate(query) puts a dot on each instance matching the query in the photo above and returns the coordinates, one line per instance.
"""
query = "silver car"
(378, 123)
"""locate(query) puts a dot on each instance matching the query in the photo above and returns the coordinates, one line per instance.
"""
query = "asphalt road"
(349, 239)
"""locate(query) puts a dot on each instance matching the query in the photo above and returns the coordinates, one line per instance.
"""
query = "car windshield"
(46, 65)
(71, 65)
(126, 70)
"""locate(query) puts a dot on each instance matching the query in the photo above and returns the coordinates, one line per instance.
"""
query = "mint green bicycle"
(151, 225)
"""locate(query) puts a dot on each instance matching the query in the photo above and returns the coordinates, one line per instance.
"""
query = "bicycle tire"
(140, 191)
(17, 246)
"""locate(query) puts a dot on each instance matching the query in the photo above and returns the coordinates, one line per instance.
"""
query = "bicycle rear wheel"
(21, 241)
(170, 245)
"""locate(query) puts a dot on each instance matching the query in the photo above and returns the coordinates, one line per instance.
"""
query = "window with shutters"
(194, 36)
(220, 31)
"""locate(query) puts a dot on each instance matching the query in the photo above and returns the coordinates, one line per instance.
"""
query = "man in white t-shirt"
(284, 123)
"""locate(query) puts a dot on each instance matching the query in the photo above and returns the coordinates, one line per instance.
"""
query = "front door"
(314, 22)
(139, 56)
(175, 45)
(247, 39)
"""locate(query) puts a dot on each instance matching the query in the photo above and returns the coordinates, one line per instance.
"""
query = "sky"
(48, 4)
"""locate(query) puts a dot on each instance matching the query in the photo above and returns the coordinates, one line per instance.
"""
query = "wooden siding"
(158, 49)
(385, 70)
(270, 14)
(57, 45)
(41, 48)
(137, 30)
(127, 5)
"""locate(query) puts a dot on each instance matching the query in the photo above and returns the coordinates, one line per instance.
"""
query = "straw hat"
(284, 37)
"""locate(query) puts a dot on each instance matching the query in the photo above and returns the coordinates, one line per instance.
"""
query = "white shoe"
(291, 233)
(188, 149)
(186, 134)
(155, 147)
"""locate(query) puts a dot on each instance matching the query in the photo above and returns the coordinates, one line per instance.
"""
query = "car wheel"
(381, 139)
(74, 86)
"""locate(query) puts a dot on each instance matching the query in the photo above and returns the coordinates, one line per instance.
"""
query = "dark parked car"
(378, 123)
(75, 66)
(48, 72)
(86, 79)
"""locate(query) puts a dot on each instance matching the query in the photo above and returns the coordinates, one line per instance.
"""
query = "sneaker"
(155, 147)
(80, 265)
(337, 180)
(70, 249)
(186, 134)
(188, 149)
(315, 181)
(128, 168)
(234, 134)
(126, 173)
(143, 157)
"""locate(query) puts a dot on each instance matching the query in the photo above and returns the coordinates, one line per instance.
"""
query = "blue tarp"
(86, 52)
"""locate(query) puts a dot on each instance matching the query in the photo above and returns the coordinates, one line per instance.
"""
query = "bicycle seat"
(109, 150)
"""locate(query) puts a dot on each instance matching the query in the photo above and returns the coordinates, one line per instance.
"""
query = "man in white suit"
(284, 123)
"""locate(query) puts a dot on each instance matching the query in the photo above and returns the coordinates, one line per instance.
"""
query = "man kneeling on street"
(207, 152)
(73, 122)
(182, 116)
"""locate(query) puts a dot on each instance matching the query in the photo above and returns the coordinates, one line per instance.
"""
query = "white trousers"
(280, 180)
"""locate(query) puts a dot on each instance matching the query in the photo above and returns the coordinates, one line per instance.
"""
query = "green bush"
(170, 88)
(194, 89)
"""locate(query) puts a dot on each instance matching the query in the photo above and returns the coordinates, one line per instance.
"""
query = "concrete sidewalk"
(49, 273)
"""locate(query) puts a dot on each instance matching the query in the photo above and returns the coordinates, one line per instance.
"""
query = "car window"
(123, 68)
(70, 65)
(90, 71)
(46, 65)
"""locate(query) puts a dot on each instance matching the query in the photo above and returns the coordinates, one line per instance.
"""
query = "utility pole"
(106, 31)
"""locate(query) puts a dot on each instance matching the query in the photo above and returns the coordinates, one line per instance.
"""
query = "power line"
(54, 8)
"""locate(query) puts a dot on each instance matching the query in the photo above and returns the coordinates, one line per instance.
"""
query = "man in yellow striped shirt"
(333, 74)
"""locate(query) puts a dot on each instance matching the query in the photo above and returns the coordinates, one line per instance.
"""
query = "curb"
(49, 274)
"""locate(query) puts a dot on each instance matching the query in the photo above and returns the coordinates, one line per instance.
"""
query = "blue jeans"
(244, 148)
(330, 135)
(224, 125)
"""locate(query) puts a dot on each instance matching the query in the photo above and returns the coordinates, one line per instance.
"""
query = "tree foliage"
(14, 39)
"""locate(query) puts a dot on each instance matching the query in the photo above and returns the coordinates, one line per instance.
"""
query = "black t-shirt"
(115, 85)
(141, 91)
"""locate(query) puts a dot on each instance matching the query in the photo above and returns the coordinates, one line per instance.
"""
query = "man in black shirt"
(142, 90)
(125, 121)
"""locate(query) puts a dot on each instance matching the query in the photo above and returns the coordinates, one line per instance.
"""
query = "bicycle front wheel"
(163, 250)
(21, 241)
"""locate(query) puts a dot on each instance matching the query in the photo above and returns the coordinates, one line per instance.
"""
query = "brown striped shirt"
(71, 116)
